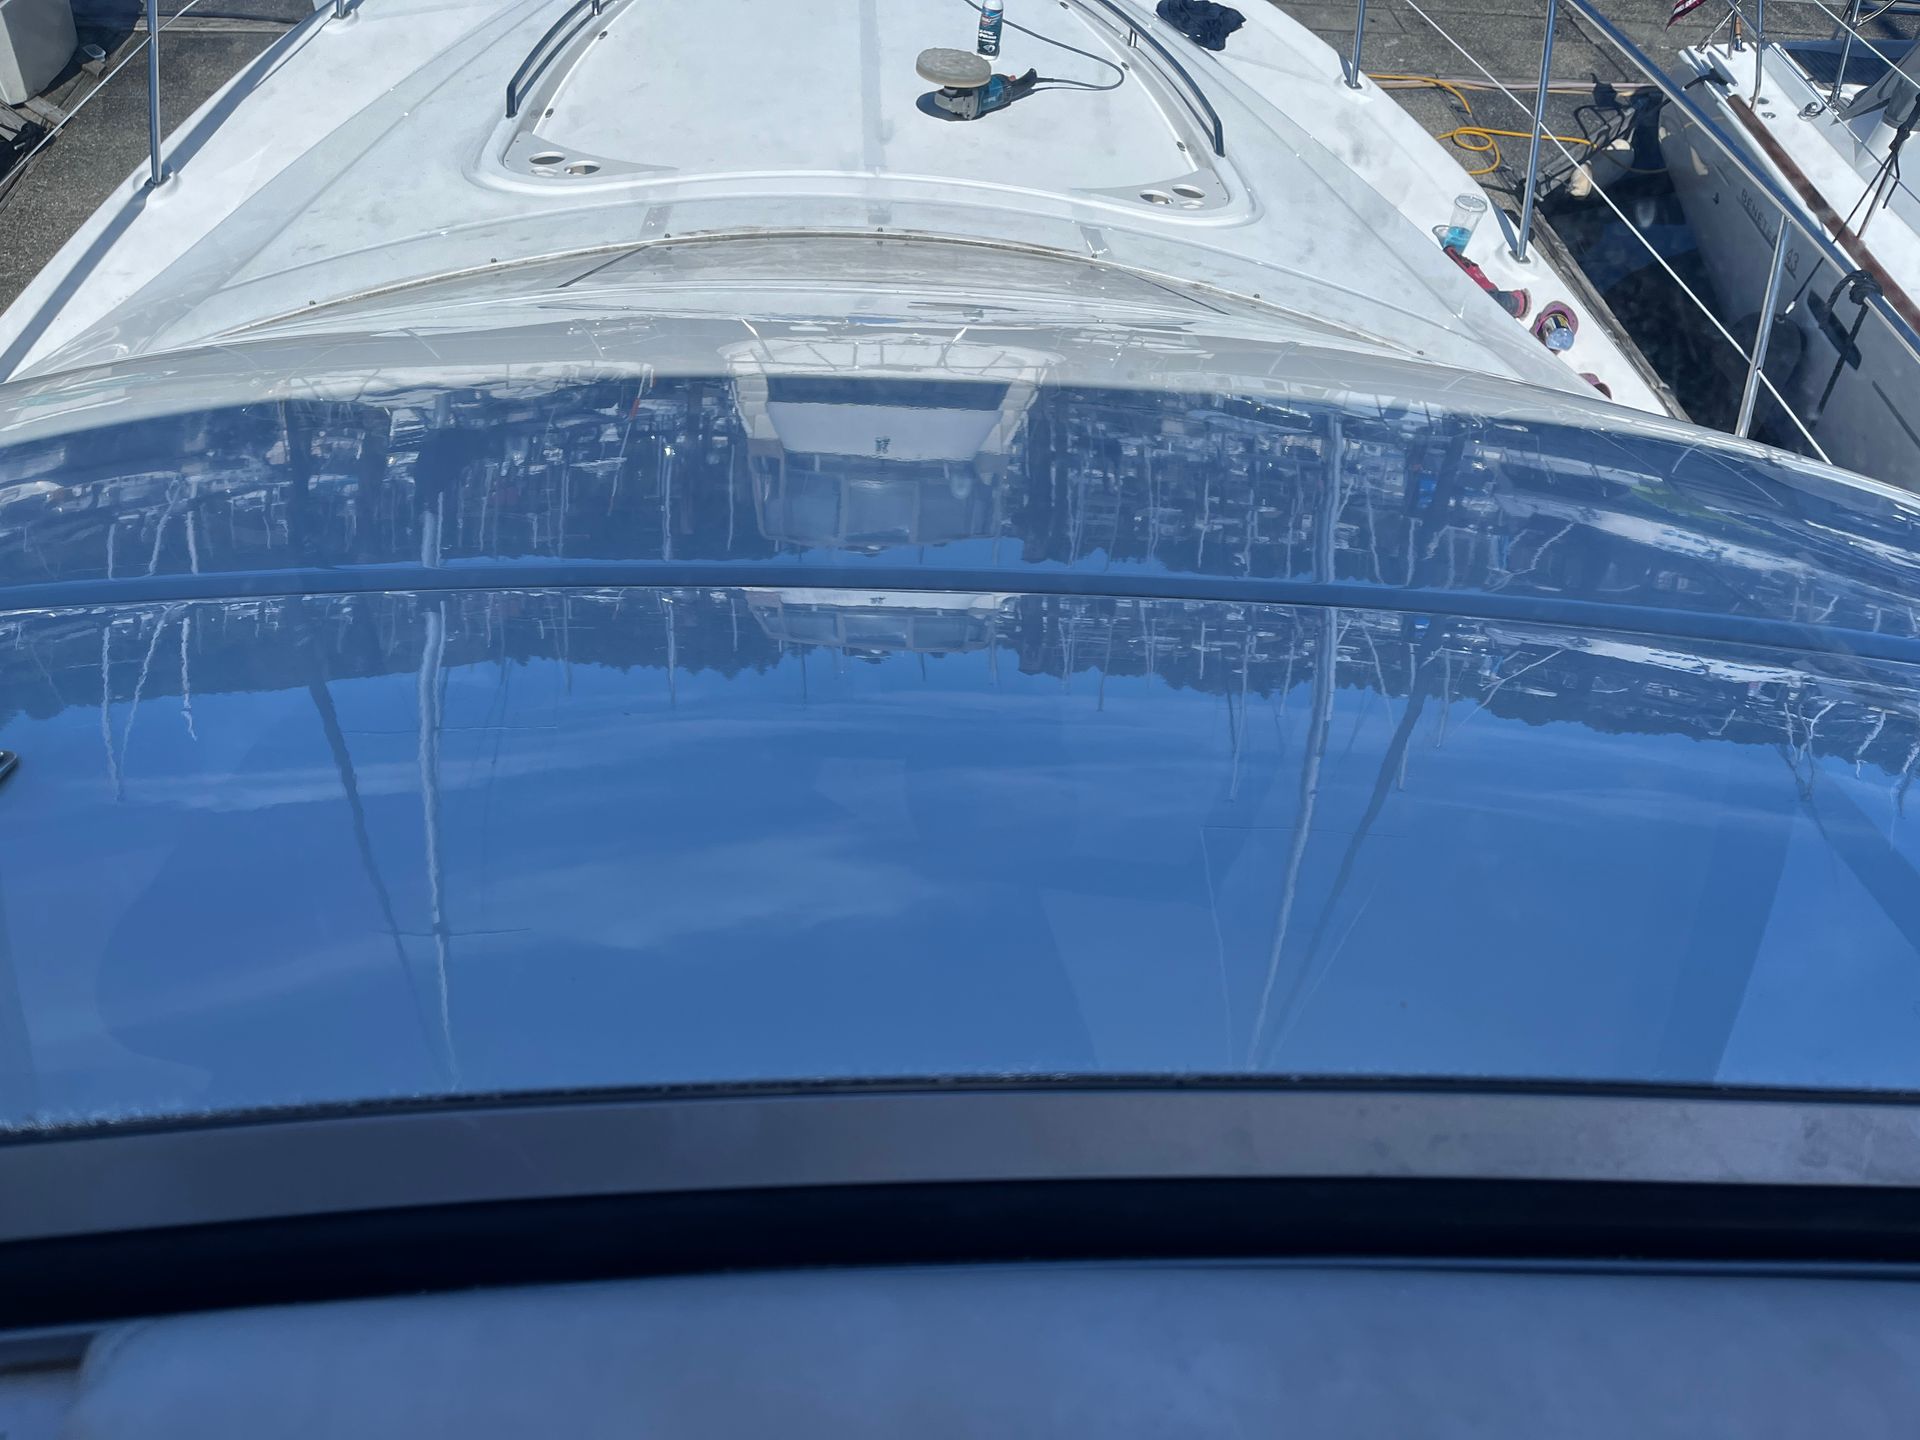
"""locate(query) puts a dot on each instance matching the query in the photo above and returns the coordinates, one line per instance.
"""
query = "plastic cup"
(1468, 211)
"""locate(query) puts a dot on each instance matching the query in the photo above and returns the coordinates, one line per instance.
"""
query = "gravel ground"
(107, 139)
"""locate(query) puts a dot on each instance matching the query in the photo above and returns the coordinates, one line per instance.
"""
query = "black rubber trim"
(86, 1280)
(114, 1223)
(463, 1154)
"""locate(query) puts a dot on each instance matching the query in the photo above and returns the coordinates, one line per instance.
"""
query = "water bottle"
(991, 12)
(1554, 329)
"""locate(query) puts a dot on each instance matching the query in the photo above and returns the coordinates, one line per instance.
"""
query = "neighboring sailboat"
(1827, 119)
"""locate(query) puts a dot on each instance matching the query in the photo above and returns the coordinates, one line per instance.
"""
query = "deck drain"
(582, 167)
(546, 157)
(1189, 192)
(1156, 197)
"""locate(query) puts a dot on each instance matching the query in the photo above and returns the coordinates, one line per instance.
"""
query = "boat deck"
(53, 197)
(268, 220)
(856, 105)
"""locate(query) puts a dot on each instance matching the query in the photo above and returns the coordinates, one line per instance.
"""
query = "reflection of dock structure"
(183, 654)
(1108, 485)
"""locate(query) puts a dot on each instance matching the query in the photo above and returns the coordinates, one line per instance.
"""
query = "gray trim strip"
(1696, 627)
(452, 1155)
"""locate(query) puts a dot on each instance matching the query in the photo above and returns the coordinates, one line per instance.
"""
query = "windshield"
(704, 730)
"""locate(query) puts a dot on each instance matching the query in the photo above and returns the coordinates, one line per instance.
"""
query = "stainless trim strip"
(108, 1181)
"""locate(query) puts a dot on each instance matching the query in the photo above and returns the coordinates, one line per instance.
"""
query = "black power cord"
(1058, 82)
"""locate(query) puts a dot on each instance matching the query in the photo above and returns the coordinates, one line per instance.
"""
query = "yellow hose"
(1474, 139)
(1478, 140)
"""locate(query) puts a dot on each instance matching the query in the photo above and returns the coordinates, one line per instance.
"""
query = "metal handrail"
(1763, 332)
(1539, 131)
(156, 170)
(1841, 22)
(1846, 52)
(1196, 97)
(545, 49)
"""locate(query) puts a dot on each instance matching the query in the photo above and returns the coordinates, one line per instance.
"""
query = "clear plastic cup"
(1468, 210)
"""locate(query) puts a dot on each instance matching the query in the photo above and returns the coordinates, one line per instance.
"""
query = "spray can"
(991, 12)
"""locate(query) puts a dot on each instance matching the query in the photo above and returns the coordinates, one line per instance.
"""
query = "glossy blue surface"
(528, 744)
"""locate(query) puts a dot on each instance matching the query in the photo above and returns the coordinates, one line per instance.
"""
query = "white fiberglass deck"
(838, 94)
(360, 157)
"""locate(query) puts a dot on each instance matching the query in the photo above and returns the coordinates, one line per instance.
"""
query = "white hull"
(1870, 419)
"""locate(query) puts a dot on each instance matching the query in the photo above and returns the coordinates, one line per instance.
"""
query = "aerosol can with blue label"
(991, 14)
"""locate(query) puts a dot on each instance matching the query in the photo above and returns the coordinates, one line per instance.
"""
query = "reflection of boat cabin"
(878, 624)
(861, 444)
